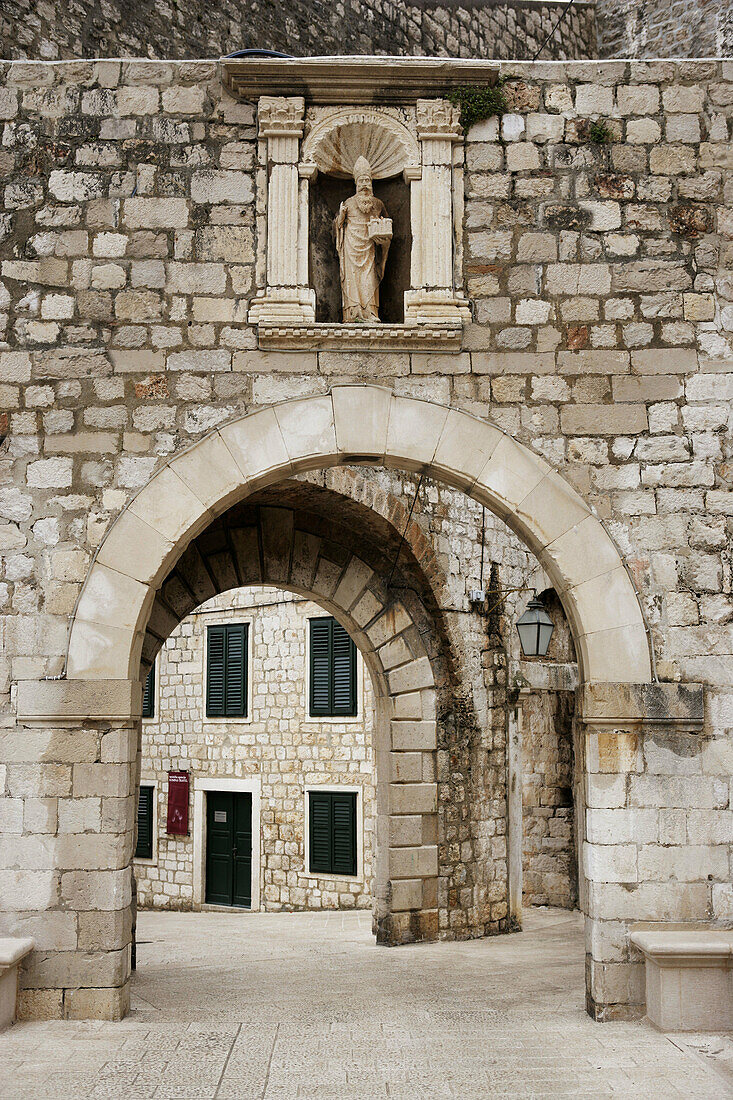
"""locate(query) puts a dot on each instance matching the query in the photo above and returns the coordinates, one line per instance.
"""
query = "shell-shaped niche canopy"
(336, 143)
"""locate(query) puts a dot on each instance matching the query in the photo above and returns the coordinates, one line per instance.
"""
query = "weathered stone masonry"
(278, 742)
(549, 838)
(497, 28)
(654, 28)
(600, 283)
(503, 30)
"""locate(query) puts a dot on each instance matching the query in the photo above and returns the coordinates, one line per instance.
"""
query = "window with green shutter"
(149, 694)
(332, 671)
(332, 833)
(145, 811)
(226, 671)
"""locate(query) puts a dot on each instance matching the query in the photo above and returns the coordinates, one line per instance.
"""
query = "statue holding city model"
(363, 235)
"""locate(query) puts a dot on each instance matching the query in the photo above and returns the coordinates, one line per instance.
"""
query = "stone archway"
(366, 424)
(101, 695)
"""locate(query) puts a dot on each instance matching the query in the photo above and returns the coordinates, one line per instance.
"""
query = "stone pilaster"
(637, 745)
(433, 296)
(287, 299)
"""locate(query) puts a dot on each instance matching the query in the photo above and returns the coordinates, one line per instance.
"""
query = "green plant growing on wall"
(600, 132)
(478, 103)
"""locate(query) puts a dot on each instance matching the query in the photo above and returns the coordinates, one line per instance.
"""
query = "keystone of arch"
(367, 424)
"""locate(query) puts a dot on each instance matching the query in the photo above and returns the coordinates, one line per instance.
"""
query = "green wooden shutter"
(332, 670)
(343, 659)
(320, 832)
(343, 810)
(226, 671)
(145, 811)
(320, 670)
(215, 683)
(236, 671)
(332, 833)
(149, 694)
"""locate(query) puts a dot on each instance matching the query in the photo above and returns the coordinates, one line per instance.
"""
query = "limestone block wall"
(655, 839)
(550, 862)
(601, 338)
(188, 30)
(655, 29)
(279, 743)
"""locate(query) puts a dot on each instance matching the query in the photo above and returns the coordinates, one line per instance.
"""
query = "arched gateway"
(101, 694)
(365, 424)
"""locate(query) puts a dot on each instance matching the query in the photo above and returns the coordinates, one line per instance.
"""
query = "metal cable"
(559, 20)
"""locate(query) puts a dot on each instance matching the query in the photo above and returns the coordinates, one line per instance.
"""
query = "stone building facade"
(163, 445)
(279, 744)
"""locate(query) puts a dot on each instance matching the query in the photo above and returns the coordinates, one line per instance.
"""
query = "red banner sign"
(177, 803)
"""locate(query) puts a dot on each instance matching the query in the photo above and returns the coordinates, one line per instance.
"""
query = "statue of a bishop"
(363, 235)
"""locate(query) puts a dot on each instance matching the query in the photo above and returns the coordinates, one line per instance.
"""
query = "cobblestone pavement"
(305, 1005)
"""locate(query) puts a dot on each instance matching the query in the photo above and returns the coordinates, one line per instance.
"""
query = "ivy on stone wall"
(479, 103)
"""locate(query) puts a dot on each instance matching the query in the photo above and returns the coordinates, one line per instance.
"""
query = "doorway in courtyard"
(228, 847)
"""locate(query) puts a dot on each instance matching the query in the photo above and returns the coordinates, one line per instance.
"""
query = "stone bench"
(689, 977)
(13, 949)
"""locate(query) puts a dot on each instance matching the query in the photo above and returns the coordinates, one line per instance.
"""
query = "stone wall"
(601, 339)
(187, 30)
(495, 29)
(657, 28)
(278, 742)
(550, 861)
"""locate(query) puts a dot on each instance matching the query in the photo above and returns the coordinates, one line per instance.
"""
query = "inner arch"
(289, 537)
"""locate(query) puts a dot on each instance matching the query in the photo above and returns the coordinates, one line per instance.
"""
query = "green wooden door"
(228, 848)
(242, 855)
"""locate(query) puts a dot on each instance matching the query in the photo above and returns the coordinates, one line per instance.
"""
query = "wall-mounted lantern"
(535, 629)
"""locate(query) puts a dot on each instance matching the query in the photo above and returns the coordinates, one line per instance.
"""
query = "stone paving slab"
(290, 1006)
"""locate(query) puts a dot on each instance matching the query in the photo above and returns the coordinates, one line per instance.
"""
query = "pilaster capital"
(73, 702)
(281, 120)
(438, 120)
(280, 116)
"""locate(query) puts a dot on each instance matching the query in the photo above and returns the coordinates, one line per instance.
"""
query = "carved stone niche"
(422, 145)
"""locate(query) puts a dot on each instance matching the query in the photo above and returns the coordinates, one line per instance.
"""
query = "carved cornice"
(334, 337)
(358, 80)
